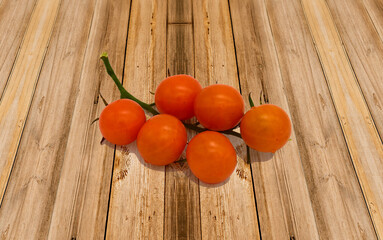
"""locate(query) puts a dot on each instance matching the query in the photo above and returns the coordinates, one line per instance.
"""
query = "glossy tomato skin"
(176, 94)
(121, 120)
(161, 140)
(266, 128)
(211, 157)
(219, 107)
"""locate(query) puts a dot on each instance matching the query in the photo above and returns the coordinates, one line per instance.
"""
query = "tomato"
(266, 128)
(121, 120)
(176, 94)
(161, 140)
(219, 107)
(211, 157)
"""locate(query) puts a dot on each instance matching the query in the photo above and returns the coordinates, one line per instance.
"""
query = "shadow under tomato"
(107, 143)
(132, 149)
(217, 185)
(179, 167)
(256, 156)
(183, 168)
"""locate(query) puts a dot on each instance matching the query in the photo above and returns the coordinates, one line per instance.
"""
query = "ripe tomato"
(121, 120)
(175, 96)
(161, 140)
(219, 107)
(211, 157)
(266, 128)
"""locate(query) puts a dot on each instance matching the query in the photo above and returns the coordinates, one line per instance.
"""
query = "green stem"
(199, 130)
(148, 107)
(123, 92)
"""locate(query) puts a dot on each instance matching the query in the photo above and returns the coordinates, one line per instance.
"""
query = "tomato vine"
(149, 107)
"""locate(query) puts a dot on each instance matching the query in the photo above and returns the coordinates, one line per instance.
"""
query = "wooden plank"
(362, 138)
(339, 208)
(81, 205)
(180, 11)
(26, 212)
(227, 210)
(283, 200)
(374, 10)
(18, 94)
(137, 197)
(14, 19)
(182, 211)
(364, 50)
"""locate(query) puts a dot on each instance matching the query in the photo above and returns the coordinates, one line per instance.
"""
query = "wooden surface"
(320, 60)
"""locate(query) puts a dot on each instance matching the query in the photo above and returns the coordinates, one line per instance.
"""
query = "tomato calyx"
(95, 120)
(261, 95)
(149, 107)
(251, 100)
(103, 99)
(105, 103)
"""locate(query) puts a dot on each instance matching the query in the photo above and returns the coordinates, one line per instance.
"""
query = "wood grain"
(319, 60)
(336, 197)
(182, 209)
(14, 19)
(81, 205)
(228, 209)
(26, 212)
(362, 40)
(18, 94)
(374, 10)
(283, 200)
(180, 11)
(365, 146)
(364, 49)
(137, 197)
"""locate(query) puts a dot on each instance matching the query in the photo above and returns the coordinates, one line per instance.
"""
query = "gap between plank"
(110, 191)
(247, 148)
(115, 149)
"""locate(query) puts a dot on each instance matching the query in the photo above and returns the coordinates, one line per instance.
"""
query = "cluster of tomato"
(210, 155)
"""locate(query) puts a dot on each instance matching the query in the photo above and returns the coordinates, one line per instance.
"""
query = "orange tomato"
(176, 94)
(211, 157)
(161, 140)
(121, 120)
(219, 107)
(266, 128)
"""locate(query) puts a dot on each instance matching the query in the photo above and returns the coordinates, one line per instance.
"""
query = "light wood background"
(320, 60)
